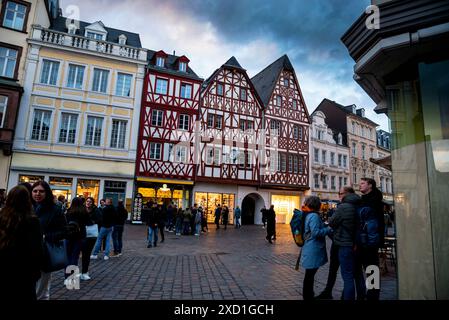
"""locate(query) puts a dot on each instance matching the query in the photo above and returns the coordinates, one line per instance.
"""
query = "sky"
(256, 32)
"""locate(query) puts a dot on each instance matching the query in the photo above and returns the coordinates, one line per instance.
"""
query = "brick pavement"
(224, 264)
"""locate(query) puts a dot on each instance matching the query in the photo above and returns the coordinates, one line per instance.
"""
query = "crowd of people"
(32, 217)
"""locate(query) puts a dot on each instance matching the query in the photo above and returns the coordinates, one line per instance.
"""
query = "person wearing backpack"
(313, 254)
(368, 253)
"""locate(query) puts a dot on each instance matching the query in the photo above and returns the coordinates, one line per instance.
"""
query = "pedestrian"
(204, 226)
(162, 217)
(179, 221)
(61, 202)
(21, 251)
(119, 226)
(194, 211)
(152, 220)
(94, 218)
(53, 226)
(218, 216)
(225, 216)
(313, 254)
(170, 216)
(198, 219)
(186, 221)
(264, 216)
(237, 216)
(108, 217)
(77, 219)
(372, 197)
(271, 222)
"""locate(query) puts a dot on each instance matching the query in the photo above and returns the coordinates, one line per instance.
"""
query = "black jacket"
(121, 216)
(53, 222)
(343, 221)
(374, 200)
(151, 217)
(81, 219)
(108, 216)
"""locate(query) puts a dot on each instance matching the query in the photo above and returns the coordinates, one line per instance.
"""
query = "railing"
(80, 42)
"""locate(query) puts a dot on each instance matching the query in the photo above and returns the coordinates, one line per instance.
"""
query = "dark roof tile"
(171, 66)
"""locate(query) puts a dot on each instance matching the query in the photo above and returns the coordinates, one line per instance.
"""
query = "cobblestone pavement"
(224, 264)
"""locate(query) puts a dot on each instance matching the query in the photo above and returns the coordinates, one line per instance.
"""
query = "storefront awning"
(166, 181)
(383, 162)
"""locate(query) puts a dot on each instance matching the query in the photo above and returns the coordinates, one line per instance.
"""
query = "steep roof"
(171, 66)
(231, 63)
(133, 39)
(265, 81)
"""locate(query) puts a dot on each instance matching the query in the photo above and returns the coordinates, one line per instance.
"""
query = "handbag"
(55, 256)
(92, 231)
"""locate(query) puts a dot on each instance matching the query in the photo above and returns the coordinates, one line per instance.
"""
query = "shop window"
(62, 187)
(115, 190)
(88, 188)
(30, 179)
(209, 202)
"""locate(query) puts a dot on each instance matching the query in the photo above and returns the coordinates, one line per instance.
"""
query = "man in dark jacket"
(372, 197)
(343, 223)
(152, 216)
(271, 224)
(108, 219)
(119, 225)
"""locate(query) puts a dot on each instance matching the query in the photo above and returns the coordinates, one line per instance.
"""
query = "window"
(210, 120)
(300, 133)
(100, 82)
(279, 101)
(15, 14)
(275, 127)
(372, 152)
(340, 182)
(161, 86)
(301, 165)
(209, 156)
(123, 87)
(157, 117)
(218, 121)
(3, 105)
(354, 149)
(186, 91)
(246, 125)
(320, 134)
(316, 153)
(340, 139)
(219, 89)
(67, 129)
(8, 58)
(345, 181)
(41, 125)
(286, 82)
(184, 122)
(340, 160)
(316, 178)
(118, 134)
(353, 127)
(93, 132)
(72, 28)
(324, 182)
(333, 187)
(290, 163)
(381, 186)
(370, 133)
(295, 104)
(363, 152)
(160, 62)
(295, 164)
(354, 175)
(155, 151)
(49, 73)
(75, 77)
(283, 162)
(181, 154)
(345, 159)
(243, 94)
(332, 159)
(295, 132)
(122, 39)
(182, 66)
(323, 156)
(94, 35)
(363, 131)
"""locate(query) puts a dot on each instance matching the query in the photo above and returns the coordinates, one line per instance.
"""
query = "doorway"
(251, 207)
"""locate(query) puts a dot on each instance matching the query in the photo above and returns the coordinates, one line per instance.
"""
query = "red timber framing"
(287, 129)
(169, 112)
(231, 123)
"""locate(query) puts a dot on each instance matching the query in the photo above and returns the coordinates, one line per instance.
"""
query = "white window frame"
(155, 144)
(77, 66)
(275, 125)
(41, 71)
(182, 67)
(340, 160)
(100, 80)
(95, 35)
(345, 159)
(15, 15)
(354, 149)
(286, 80)
(125, 135)
(160, 62)
(159, 88)
(122, 39)
(316, 155)
(62, 113)
(184, 122)
(220, 85)
(316, 180)
(181, 154)
(295, 104)
(278, 100)
(209, 156)
(5, 64)
(120, 91)
(243, 96)
(160, 114)
(3, 108)
(296, 132)
(324, 156)
(38, 108)
(332, 158)
(103, 123)
(190, 91)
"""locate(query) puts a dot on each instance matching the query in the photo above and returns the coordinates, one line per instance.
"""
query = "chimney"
(174, 52)
(361, 112)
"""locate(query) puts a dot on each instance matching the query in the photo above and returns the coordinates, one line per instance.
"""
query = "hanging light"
(164, 188)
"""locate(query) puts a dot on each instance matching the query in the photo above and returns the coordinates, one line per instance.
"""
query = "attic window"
(72, 28)
(182, 66)
(94, 35)
(286, 82)
(160, 62)
(122, 39)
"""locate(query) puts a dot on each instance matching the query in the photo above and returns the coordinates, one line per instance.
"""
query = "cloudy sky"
(256, 32)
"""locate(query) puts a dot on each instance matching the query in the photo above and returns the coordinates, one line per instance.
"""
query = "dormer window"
(286, 82)
(94, 35)
(160, 62)
(122, 39)
(72, 28)
(182, 66)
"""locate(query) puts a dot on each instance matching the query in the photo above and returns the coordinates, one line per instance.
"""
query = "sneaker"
(85, 276)
(94, 257)
(105, 258)
(115, 255)
(149, 246)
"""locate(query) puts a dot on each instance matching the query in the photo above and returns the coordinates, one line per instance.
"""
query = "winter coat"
(53, 222)
(314, 253)
(121, 216)
(81, 220)
(237, 213)
(343, 221)
(374, 200)
(108, 216)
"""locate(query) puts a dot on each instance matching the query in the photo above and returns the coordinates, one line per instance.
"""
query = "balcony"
(79, 42)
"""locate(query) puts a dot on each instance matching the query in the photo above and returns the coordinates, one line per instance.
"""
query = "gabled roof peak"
(232, 62)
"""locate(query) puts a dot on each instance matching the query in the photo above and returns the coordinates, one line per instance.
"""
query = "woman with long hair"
(53, 226)
(94, 218)
(20, 247)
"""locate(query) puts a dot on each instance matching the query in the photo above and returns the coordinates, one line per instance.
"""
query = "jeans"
(186, 227)
(105, 233)
(73, 252)
(197, 229)
(117, 235)
(346, 257)
(309, 279)
(152, 233)
(161, 229)
(178, 226)
(237, 222)
(334, 264)
(86, 250)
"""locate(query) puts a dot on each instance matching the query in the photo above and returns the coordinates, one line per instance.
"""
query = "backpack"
(367, 235)
(297, 227)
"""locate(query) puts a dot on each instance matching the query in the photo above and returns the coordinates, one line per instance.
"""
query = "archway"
(251, 206)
